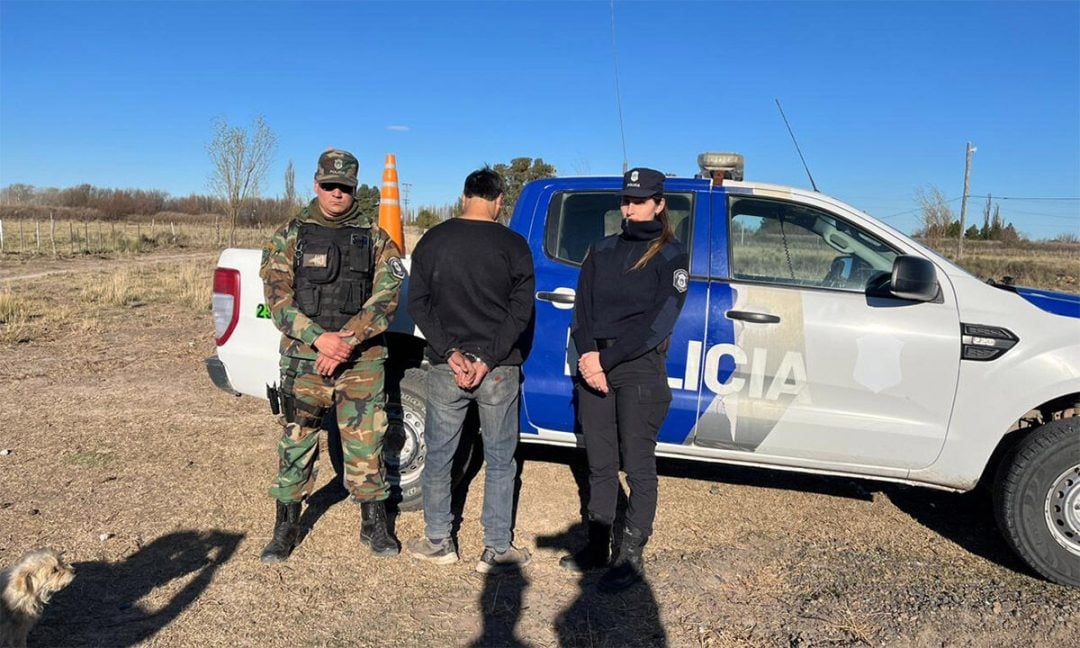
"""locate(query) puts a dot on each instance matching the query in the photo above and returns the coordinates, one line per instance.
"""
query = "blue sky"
(882, 96)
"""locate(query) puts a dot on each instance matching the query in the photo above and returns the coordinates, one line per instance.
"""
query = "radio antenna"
(792, 133)
(618, 94)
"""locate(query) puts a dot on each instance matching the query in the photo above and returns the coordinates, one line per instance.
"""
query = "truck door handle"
(756, 318)
(556, 297)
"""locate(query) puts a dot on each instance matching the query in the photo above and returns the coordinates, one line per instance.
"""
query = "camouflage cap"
(338, 166)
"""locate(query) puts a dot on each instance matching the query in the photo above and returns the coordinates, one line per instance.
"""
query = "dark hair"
(484, 183)
(658, 243)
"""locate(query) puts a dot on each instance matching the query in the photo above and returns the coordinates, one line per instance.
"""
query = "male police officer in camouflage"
(332, 278)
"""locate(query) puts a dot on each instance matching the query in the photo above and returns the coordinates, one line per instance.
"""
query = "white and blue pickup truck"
(814, 338)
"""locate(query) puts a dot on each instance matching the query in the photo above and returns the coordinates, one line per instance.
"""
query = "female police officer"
(629, 294)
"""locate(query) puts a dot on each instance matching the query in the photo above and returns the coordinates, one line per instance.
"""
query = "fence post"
(1, 237)
(37, 235)
(52, 233)
(71, 237)
(22, 244)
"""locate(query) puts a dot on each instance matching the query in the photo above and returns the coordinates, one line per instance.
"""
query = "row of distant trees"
(240, 158)
(117, 204)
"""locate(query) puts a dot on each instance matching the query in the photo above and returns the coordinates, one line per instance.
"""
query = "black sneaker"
(492, 561)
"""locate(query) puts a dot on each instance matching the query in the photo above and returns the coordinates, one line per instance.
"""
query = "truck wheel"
(404, 450)
(1037, 500)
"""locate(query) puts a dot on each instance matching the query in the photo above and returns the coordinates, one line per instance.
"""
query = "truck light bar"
(721, 166)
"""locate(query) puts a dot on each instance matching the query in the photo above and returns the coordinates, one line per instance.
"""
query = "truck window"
(774, 241)
(577, 219)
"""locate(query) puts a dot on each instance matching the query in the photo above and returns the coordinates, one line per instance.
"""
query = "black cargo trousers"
(623, 424)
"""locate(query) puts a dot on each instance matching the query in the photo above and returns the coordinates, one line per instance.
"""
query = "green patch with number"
(262, 312)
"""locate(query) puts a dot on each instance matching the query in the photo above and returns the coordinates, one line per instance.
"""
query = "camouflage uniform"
(355, 388)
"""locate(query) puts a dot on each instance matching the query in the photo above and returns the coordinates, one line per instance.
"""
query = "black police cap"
(642, 183)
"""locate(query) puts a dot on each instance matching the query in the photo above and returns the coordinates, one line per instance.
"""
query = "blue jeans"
(497, 399)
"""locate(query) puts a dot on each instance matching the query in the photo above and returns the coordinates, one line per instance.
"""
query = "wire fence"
(59, 238)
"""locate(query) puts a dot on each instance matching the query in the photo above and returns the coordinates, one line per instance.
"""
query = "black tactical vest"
(334, 270)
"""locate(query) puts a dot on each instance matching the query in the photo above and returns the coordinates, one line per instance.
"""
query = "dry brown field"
(120, 452)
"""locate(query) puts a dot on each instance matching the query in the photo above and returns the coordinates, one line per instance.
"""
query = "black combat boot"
(593, 555)
(373, 531)
(628, 568)
(286, 530)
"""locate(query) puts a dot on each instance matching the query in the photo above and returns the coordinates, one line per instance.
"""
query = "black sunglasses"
(331, 186)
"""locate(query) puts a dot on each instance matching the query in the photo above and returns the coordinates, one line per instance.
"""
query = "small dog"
(25, 588)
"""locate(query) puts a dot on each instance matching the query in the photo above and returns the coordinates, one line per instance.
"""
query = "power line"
(1034, 198)
(992, 197)
(911, 211)
(847, 196)
(1027, 213)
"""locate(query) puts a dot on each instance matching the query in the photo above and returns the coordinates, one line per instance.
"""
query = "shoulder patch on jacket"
(397, 268)
(680, 280)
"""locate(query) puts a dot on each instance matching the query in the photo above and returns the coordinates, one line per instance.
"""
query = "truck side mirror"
(913, 278)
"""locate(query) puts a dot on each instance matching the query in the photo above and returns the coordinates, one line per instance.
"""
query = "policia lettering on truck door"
(630, 291)
(332, 279)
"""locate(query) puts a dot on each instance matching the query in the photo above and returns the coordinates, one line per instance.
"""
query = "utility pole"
(405, 201)
(963, 201)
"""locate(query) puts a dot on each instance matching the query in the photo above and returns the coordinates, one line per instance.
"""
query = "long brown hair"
(666, 235)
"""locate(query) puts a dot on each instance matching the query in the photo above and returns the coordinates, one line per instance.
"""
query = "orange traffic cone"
(389, 207)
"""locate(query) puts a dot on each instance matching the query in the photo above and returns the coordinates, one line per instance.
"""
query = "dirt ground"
(153, 482)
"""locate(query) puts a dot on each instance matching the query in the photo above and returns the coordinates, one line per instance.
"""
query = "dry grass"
(27, 315)
(853, 625)
(1050, 268)
(191, 286)
(119, 289)
(187, 284)
(15, 315)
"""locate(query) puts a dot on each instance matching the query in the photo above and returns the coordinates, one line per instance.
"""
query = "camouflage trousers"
(356, 394)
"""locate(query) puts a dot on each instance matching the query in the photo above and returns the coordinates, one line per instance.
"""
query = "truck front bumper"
(216, 369)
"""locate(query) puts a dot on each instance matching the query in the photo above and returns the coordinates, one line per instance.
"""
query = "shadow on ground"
(102, 605)
(966, 519)
(629, 618)
(501, 602)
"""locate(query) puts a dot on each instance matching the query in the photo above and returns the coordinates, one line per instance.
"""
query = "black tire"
(404, 449)
(1037, 500)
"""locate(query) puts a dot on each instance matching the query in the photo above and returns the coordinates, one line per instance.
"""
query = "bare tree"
(17, 194)
(290, 186)
(240, 160)
(937, 217)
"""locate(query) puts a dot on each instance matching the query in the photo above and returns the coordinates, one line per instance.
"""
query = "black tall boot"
(629, 568)
(373, 529)
(593, 555)
(286, 530)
